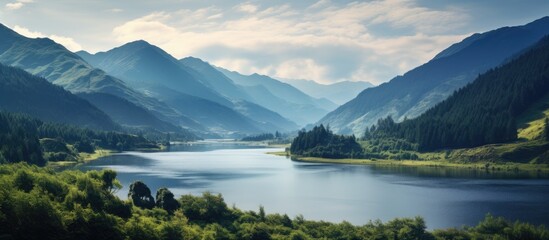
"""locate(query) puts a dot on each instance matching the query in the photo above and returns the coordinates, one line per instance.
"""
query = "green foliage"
(165, 200)
(19, 139)
(20, 134)
(38, 203)
(140, 194)
(206, 209)
(321, 142)
(483, 112)
(260, 137)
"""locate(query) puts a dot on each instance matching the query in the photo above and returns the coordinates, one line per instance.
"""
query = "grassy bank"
(82, 158)
(499, 167)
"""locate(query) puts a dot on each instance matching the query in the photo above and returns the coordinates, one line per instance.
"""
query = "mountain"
(190, 88)
(243, 102)
(281, 97)
(126, 112)
(140, 64)
(418, 90)
(214, 79)
(45, 58)
(23, 92)
(339, 93)
(483, 112)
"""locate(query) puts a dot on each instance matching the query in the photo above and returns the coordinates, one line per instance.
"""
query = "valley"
(263, 120)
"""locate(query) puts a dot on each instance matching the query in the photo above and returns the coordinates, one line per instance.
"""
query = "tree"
(165, 200)
(140, 194)
(109, 181)
(546, 129)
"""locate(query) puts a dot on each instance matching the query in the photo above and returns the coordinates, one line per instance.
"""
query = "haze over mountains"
(45, 58)
(20, 91)
(418, 90)
(339, 93)
(141, 86)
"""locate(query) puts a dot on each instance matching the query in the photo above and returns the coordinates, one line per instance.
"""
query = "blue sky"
(322, 40)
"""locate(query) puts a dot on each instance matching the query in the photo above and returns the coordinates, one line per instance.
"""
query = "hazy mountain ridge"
(22, 92)
(43, 57)
(190, 90)
(281, 97)
(339, 92)
(139, 63)
(421, 88)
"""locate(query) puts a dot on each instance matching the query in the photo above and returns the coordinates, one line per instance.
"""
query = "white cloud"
(300, 69)
(68, 42)
(323, 42)
(17, 4)
(247, 8)
(14, 6)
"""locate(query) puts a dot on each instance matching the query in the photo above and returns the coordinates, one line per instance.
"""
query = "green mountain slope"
(140, 64)
(23, 92)
(43, 57)
(423, 87)
(242, 102)
(483, 112)
(191, 92)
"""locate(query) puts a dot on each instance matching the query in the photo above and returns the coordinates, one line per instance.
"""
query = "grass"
(504, 166)
(531, 122)
(98, 153)
(82, 157)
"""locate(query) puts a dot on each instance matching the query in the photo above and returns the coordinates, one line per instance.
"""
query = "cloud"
(327, 42)
(17, 4)
(115, 10)
(14, 6)
(247, 8)
(67, 42)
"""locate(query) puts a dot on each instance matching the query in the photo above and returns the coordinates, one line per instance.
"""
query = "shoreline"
(82, 158)
(493, 167)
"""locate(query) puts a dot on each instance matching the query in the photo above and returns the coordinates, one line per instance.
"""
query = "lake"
(248, 177)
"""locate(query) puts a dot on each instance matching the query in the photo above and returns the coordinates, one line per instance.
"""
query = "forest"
(322, 142)
(482, 112)
(23, 138)
(39, 203)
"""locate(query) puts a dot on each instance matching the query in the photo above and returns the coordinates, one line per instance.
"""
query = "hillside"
(339, 93)
(242, 102)
(45, 58)
(191, 90)
(139, 64)
(25, 93)
(483, 112)
(418, 90)
(126, 112)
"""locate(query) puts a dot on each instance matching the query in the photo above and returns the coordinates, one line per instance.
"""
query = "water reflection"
(248, 178)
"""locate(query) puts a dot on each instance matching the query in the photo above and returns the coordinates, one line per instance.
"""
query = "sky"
(322, 40)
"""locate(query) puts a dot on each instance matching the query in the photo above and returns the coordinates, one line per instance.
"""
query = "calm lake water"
(248, 177)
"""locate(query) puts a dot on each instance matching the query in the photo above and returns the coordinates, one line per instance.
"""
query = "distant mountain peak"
(139, 42)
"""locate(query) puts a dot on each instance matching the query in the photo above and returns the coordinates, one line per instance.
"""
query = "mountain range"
(339, 92)
(418, 90)
(45, 58)
(198, 90)
(23, 92)
(140, 86)
(281, 97)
